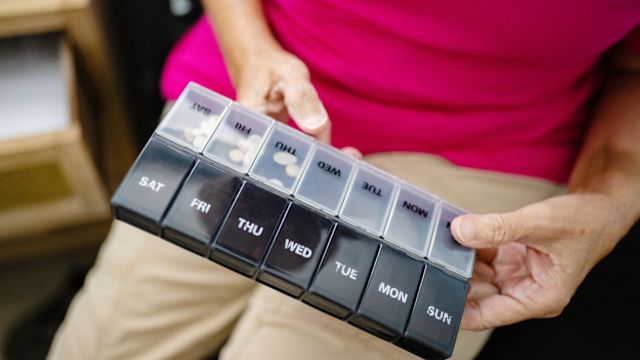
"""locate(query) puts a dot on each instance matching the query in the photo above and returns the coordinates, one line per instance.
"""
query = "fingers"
(353, 152)
(254, 95)
(483, 231)
(305, 108)
(492, 311)
(479, 290)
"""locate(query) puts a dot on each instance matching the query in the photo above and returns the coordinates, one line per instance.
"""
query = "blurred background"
(79, 97)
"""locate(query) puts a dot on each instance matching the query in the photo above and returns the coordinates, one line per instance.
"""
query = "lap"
(147, 298)
(278, 327)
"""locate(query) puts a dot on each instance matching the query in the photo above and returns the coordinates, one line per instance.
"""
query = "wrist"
(242, 32)
(239, 58)
(615, 179)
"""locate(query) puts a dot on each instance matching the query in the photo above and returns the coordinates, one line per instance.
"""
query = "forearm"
(609, 163)
(241, 30)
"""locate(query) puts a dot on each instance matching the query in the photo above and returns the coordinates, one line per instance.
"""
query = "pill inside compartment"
(326, 179)
(282, 158)
(369, 199)
(445, 250)
(412, 219)
(194, 117)
(238, 138)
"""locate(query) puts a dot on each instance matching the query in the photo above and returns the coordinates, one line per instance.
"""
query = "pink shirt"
(497, 84)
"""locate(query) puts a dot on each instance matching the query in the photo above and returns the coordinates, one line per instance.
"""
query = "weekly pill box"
(273, 204)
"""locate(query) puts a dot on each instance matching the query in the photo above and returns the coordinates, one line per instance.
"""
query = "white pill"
(208, 126)
(248, 157)
(254, 139)
(199, 141)
(188, 134)
(198, 132)
(243, 145)
(284, 158)
(292, 170)
(276, 182)
(236, 155)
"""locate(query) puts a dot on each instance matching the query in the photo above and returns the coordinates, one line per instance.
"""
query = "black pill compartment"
(433, 325)
(296, 250)
(199, 207)
(146, 192)
(343, 273)
(245, 235)
(388, 298)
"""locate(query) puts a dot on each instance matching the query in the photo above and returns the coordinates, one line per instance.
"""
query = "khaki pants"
(148, 299)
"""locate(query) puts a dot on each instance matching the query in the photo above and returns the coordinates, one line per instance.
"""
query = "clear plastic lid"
(282, 158)
(445, 250)
(326, 178)
(238, 138)
(369, 199)
(193, 117)
(412, 219)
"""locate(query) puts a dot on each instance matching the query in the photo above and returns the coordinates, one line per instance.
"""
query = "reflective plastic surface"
(145, 193)
(282, 158)
(199, 207)
(369, 199)
(445, 250)
(245, 235)
(238, 138)
(389, 296)
(433, 325)
(326, 179)
(343, 273)
(411, 220)
(296, 250)
(193, 117)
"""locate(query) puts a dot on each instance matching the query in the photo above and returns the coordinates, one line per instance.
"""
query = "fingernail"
(314, 121)
(466, 229)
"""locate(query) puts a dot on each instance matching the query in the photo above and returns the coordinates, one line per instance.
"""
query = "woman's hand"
(277, 83)
(531, 261)
(267, 78)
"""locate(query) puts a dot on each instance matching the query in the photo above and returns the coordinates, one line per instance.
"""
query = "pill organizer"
(273, 204)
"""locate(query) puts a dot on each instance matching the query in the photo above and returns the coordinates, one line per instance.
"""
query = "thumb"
(491, 230)
(305, 108)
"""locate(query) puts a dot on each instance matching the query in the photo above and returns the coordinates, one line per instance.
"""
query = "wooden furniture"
(54, 187)
(81, 23)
